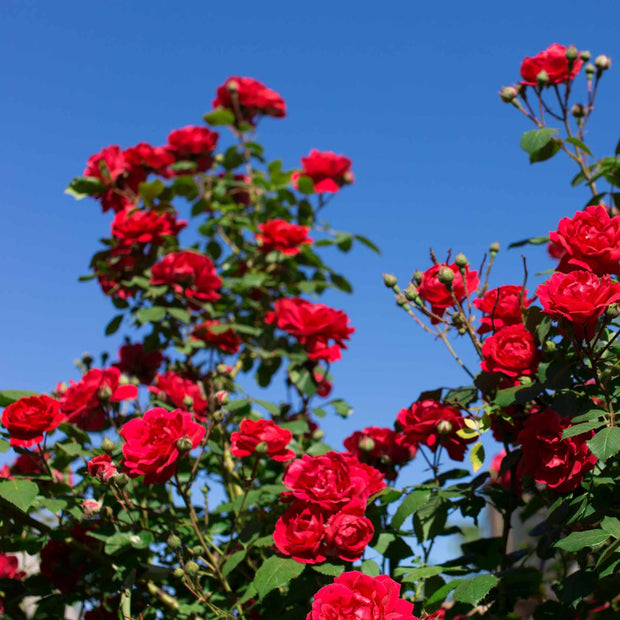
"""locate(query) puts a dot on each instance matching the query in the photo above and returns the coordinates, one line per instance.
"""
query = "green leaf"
(305, 185)
(370, 567)
(332, 570)
(472, 591)
(464, 396)
(150, 315)
(423, 572)
(547, 152)
(113, 325)
(221, 116)
(273, 409)
(612, 526)
(476, 456)
(233, 561)
(580, 145)
(20, 493)
(121, 540)
(368, 243)
(179, 313)
(530, 241)
(410, 504)
(81, 187)
(7, 397)
(536, 139)
(150, 191)
(605, 443)
(585, 417)
(341, 283)
(578, 540)
(440, 594)
(344, 241)
(578, 429)
(275, 572)
(4, 445)
(343, 409)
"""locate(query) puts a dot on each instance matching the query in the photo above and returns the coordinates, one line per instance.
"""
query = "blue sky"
(407, 90)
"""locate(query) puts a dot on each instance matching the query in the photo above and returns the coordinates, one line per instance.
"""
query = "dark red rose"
(552, 60)
(589, 241)
(154, 158)
(29, 418)
(114, 267)
(261, 436)
(347, 534)
(101, 467)
(216, 334)
(433, 424)
(136, 226)
(314, 325)
(101, 613)
(323, 386)
(501, 306)
(193, 144)
(282, 236)
(508, 425)
(505, 478)
(135, 361)
(328, 171)
(559, 463)
(237, 187)
(383, 448)
(84, 402)
(579, 297)
(247, 98)
(438, 295)
(512, 351)
(179, 391)
(9, 567)
(189, 274)
(150, 447)
(299, 532)
(355, 596)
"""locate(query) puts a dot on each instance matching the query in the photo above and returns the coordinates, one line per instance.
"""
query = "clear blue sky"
(408, 90)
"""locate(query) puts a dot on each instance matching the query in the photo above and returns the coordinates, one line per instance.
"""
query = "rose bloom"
(552, 60)
(332, 480)
(501, 306)
(328, 171)
(271, 438)
(172, 388)
(559, 463)
(154, 158)
(252, 98)
(282, 236)
(193, 143)
(237, 187)
(101, 467)
(355, 596)
(347, 534)
(438, 295)
(590, 241)
(136, 226)
(136, 362)
(84, 401)
(150, 447)
(580, 297)
(189, 274)
(9, 567)
(505, 478)
(29, 418)
(314, 325)
(323, 386)
(512, 351)
(299, 532)
(113, 267)
(226, 341)
(382, 448)
(433, 424)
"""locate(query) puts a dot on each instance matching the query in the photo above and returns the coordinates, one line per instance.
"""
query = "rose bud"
(191, 568)
(444, 427)
(461, 260)
(542, 78)
(174, 542)
(585, 55)
(222, 398)
(602, 62)
(417, 276)
(446, 276)
(590, 71)
(107, 445)
(178, 573)
(367, 444)
(578, 110)
(91, 507)
(389, 280)
(184, 444)
(494, 248)
(508, 94)
(571, 52)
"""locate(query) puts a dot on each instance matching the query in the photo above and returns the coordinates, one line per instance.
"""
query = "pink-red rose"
(150, 447)
(154, 158)
(328, 171)
(300, 531)
(501, 306)
(136, 226)
(179, 391)
(101, 467)
(511, 351)
(347, 534)
(9, 567)
(282, 236)
(262, 436)
(135, 361)
(195, 144)
(554, 62)
(29, 418)
(216, 334)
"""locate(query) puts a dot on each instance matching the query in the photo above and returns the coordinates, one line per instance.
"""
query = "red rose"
(237, 187)
(135, 226)
(101, 467)
(115, 266)
(173, 388)
(222, 338)
(189, 274)
(355, 596)
(332, 480)
(247, 98)
(9, 567)
(101, 613)
(552, 60)
(282, 236)
(137, 362)
(254, 433)
(347, 534)
(84, 401)
(299, 532)
(502, 306)
(438, 295)
(383, 448)
(433, 424)
(29, 418)
(512, 351)
(589, 241)
(328, 171)
(559, 463)
(155, 158)
(580, 297)
(150, 447)
(314, 325)
(505, 478)
(193, 144)
(323, 386)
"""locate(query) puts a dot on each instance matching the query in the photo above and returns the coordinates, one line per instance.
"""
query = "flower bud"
(174, 542)
(578, 110)
(124, 380)
(446, 276)
(188, 401)
(91, 507)
(494, 248)
(184, 444)
(232, 86)
(461, 260)
(585, 55)
(389, 280)
(602, 62)
(348, 177)
(571, 53)
(613, 311)
(549, 346)
(218, 415)
(542, 78)
(191, 568)
(107, 445)
(411, 293)
(444, 427)
(318, 434)
(223, 369)
(508, 94)
(222, 398)
(417, 276)
(178, 572)
(105, 392)
(262, 447)
(590, 71)
(197, 550)
(367, 444)
(525, 380)
(401, 301)
(121, 480)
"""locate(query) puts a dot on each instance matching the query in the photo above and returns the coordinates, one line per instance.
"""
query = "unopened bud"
(444, 427)
(613, 311)
(191, 568)
(417, 276)
(232, 85)
(389, 280)
(262, 448)
(184, 444)
(178, 572)
(578, 110)
(602, 62)
(197, 550)
(107, 445)
(367, 444)
(508, 94)
(105, 392)
(446, 276)
(525, 380)
(91, 507)
(318, 434)
(494, 248)
(542, 78)
(348, 178)
(121, 480)
(124, 380)
(401, 300)
(549, 346)
(218, 415)
(571, 52)
(585, 55)
(222, 398)
(461, 260)
(188, 401)
(411, 293)
(174, 542)
(223, 369)
(590, 71)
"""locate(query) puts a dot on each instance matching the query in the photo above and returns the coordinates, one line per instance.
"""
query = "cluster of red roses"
(328, 496)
